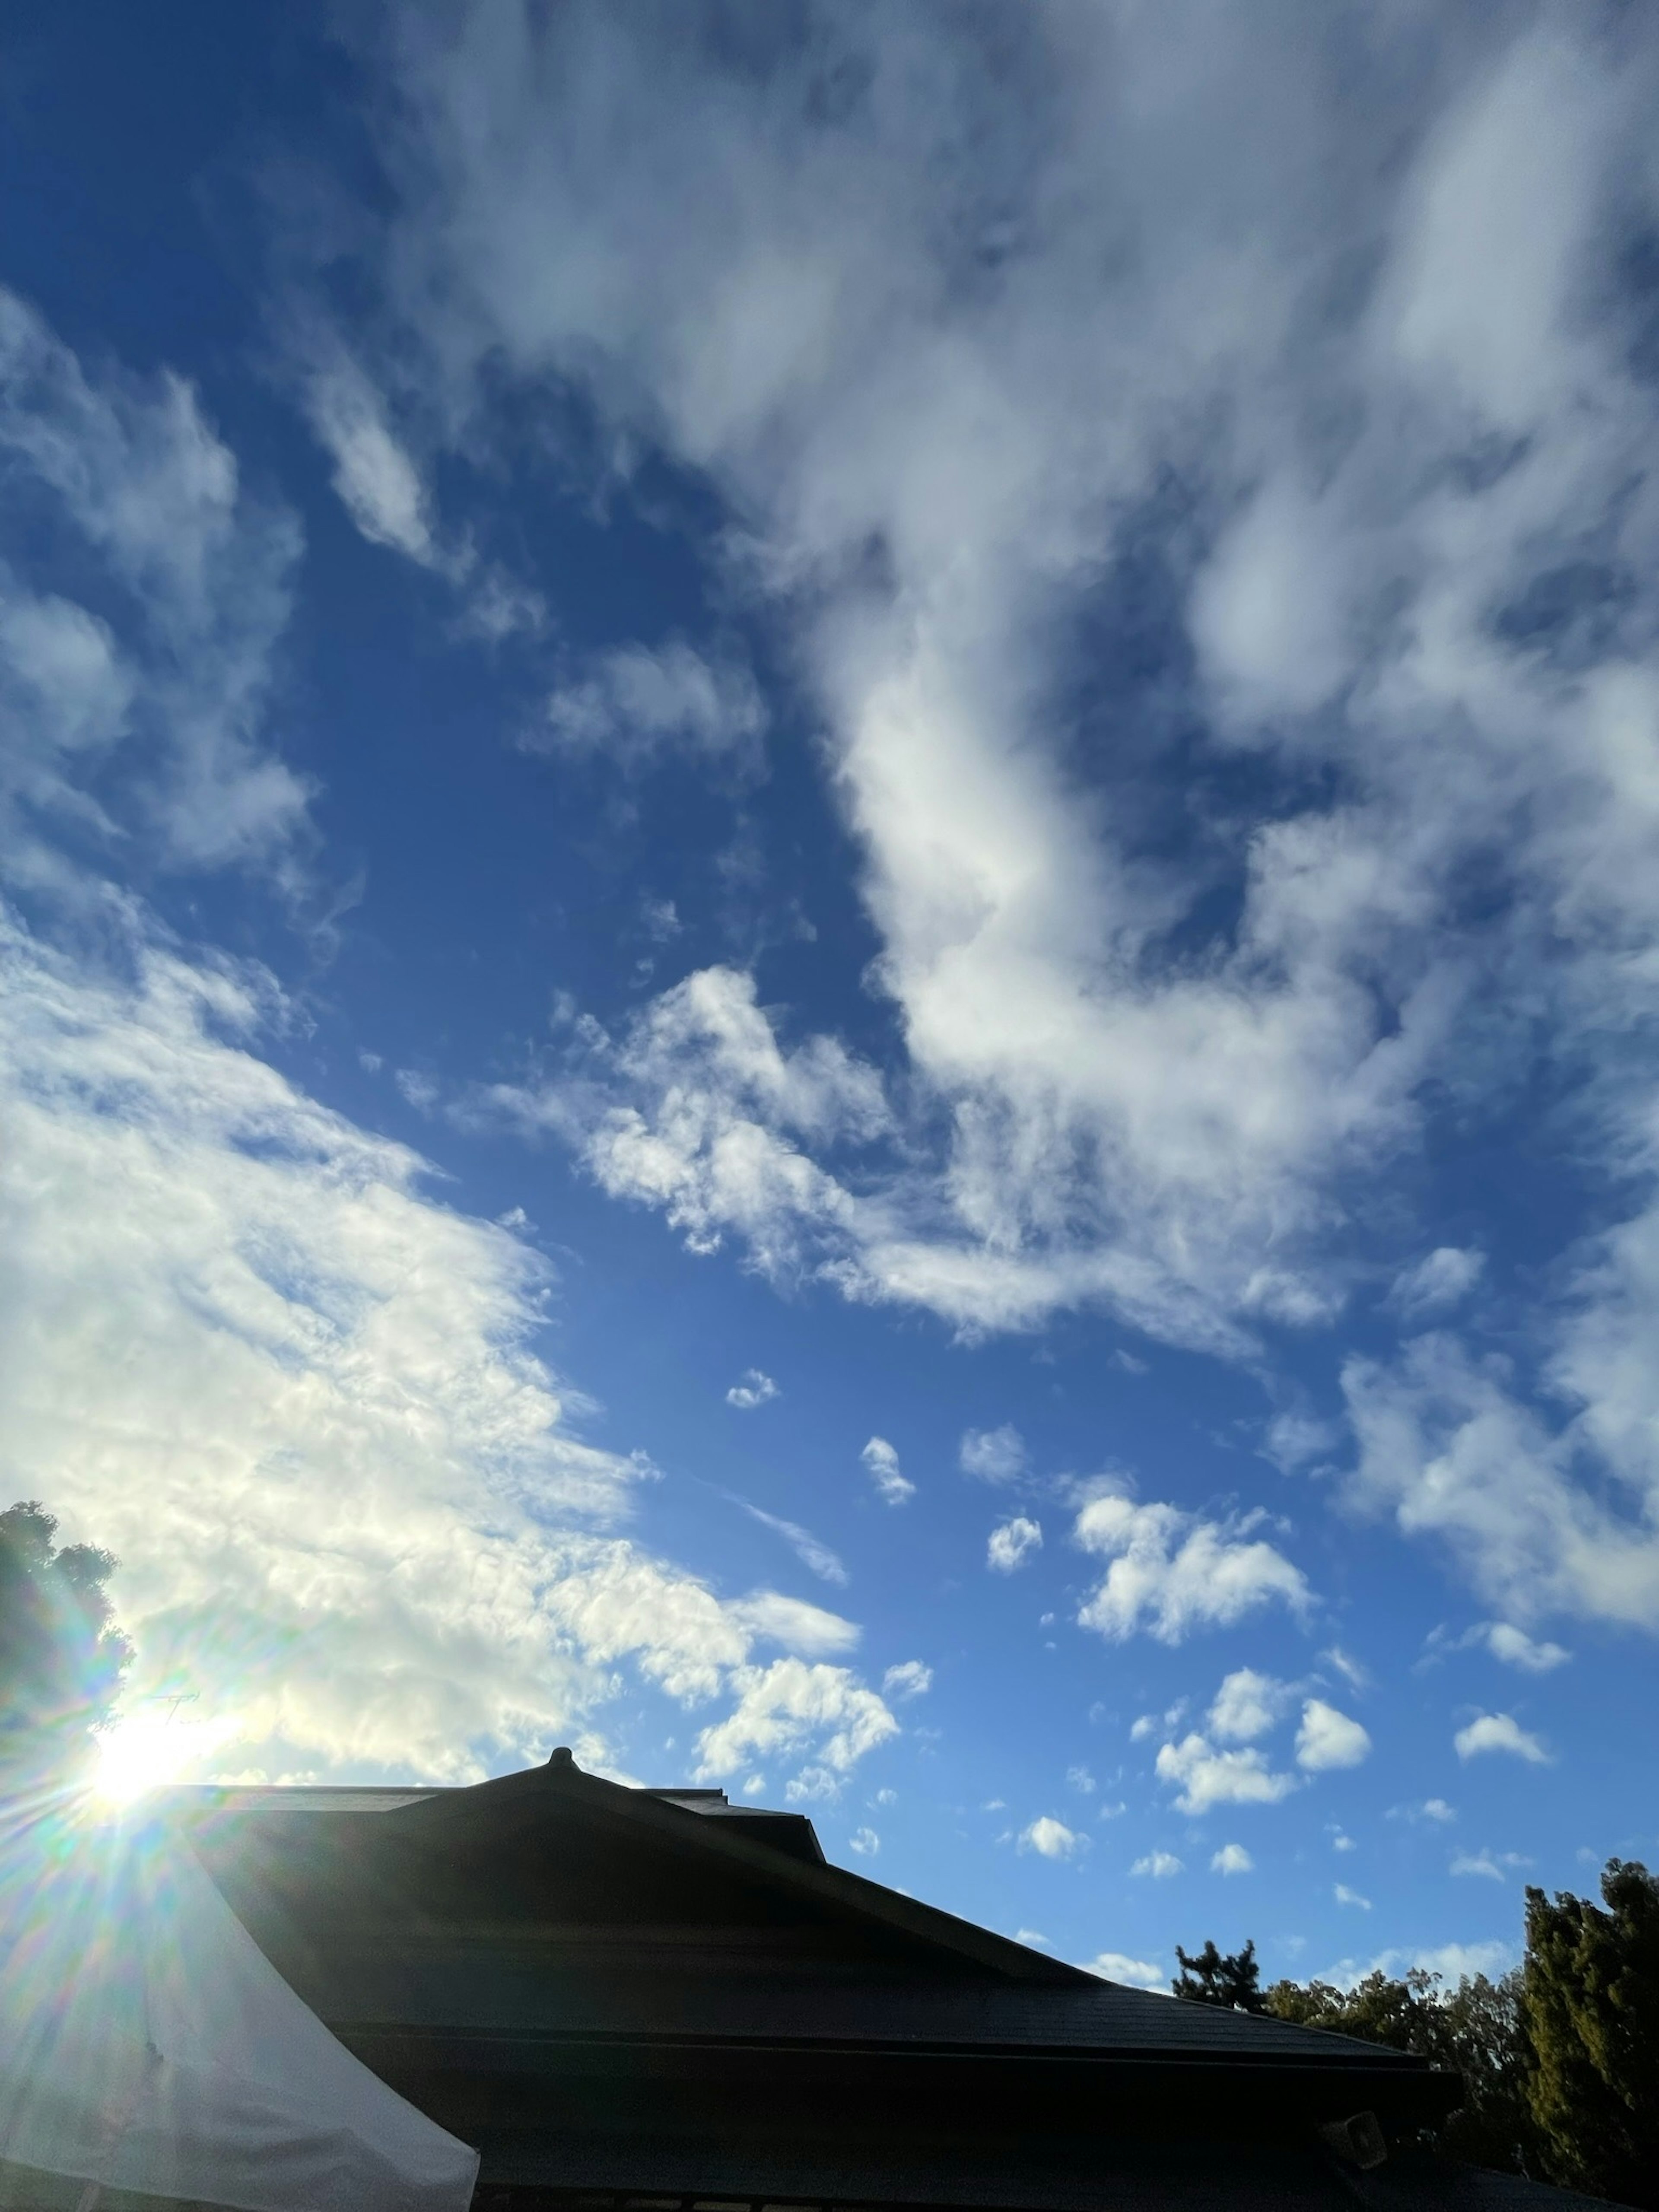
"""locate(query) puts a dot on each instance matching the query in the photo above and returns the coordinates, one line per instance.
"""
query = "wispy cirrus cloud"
(143, 591)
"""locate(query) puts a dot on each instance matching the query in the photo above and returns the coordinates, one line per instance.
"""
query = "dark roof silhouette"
(632, 1993)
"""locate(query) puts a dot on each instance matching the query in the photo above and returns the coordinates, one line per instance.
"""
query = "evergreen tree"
(1231, 1979)
(61, 1656)
(1590, 1994)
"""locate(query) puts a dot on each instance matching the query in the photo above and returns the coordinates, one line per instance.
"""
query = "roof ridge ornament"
(563, 1759)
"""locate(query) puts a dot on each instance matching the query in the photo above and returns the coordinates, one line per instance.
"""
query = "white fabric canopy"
(146, 2043)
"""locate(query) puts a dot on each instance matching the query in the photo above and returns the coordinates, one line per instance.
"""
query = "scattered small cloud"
(1160, 1865)
(865, 1841)
(1233, 1858)
(1330, 1739)
(1206, 1776)
(1438, 1283)
(1033, 1936)
(993, 1455)
(1149, 1724)
(1458, 1962)
(1494, 1866)
(1012, 1543)
(1347, 1666)
(755, 1389)
(794, 1624)
(881, 1464)
(1516, 1649)
(1133, 1973)
(1296, 1440)
(1499, 1732)
(1345, 1896)
(911, 1678)
(417, 1091)
(1172, 1573)
(1081, 1780)
(1340, 1839)
(1051, 1839)
(636, 704)
(1247, 1706)
(1432, 1808)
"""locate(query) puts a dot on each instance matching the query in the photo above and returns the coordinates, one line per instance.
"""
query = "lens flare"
(144, 1751)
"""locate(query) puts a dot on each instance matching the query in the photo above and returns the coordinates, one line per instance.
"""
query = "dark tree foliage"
(61, 1656)
(1229, 1978)
(1559, 2059)
(1590, 1994)
(1476, 2030)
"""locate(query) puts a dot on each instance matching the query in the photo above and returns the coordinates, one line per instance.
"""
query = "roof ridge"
(871, 1902)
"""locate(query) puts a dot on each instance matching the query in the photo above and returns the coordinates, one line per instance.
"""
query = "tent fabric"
(147, 2044)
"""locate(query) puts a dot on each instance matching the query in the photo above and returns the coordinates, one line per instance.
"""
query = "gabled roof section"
(733, 1841)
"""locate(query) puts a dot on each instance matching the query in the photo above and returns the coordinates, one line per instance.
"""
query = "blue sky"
(831, 932)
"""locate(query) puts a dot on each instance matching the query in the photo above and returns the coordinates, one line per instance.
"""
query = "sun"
(146, 1750)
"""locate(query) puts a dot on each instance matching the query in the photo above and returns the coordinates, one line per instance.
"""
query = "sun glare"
(144, 1751)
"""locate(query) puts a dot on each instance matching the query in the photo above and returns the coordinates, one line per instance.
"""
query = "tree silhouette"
(1231, 1978)
(1589, 1993)
(61, 1656)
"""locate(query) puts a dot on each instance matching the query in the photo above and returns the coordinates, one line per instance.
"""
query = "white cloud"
(1034, 1937)
(1133, 1973)
(1344, 1895)
(865, 1841)
(1457, 1962)
(1432, 1808)
(1516, 1649)
(813, 1785)
(1160, 1865)
(1448, 1445)
(993, 1455)
(1485, 1864)
(1347, 1666)
(1051, 1839)
(137, 717)
(1172, 1573)
(791, 1621)
(1367, 335)
(1081, 1780)
(717, 1116)
(1448, 1274)
(1247, 1706)
(810, 1550)
(377, 483)
(911, 1678)
(1330, 1739)
(1206, 1776)
(1499, 1732)
(755, 1389)
(785, 1709)
(724, 331)
(635, 704)
(241, 1344)
(1233, 1858)
(882, 1464)
(1012, 1543)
